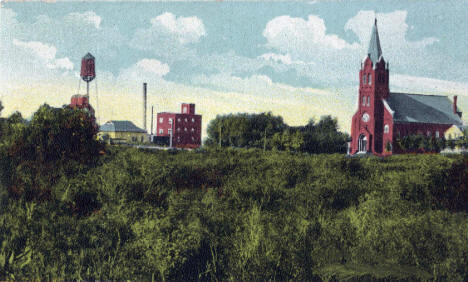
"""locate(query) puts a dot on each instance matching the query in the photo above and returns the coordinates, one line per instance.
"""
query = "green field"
(244, 214)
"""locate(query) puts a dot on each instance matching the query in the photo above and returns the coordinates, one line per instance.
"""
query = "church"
(384, 116)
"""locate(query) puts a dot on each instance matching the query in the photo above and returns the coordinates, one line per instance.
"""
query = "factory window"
(193, 130)
(386, 128)
(161, 120)
(193, 139)
(185, 119)
(368, 100)
(185, 129)
(178, 119)
(169, 131)
(185, 110)
(178, 129)
(161, 131)
(437, 134)
(170, 121)
(193, 120)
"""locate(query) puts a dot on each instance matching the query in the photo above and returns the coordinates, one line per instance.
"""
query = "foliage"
(225, 214)
(421, 143)
(241, 214)
(56, 142)
(270, 132)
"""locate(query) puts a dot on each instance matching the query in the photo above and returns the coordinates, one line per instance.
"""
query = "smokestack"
(151, 120)
(455, 104)
(144, 106)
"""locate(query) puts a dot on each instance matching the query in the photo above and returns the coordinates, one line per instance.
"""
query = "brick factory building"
(384, 116)
(184, 127)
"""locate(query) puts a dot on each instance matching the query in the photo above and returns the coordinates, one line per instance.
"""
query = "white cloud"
(63, 63)
(145, 70)
(45, 53)
(285, 59)
(153, 66)
(41, 50)
(88, 17)
(427, 85)
(186, 29)
(169, 37)
(260, 85)
(393, 31)
(296, 34)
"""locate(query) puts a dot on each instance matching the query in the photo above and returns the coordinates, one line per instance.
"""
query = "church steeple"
(374, 50)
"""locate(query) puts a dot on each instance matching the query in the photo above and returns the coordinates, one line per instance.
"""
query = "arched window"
(363, 100)
(369, 79)
(386, 128)
(364, 79)
(368, 100)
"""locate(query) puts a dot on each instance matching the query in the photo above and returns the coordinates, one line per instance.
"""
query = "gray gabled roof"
(374, 45)
(420, 108)
(120, 126)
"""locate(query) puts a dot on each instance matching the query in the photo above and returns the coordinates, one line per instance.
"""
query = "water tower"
(88, 72)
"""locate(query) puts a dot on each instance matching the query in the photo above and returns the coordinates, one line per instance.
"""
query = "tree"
(56, 142)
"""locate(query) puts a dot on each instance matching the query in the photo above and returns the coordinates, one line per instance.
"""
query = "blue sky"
(299, 60)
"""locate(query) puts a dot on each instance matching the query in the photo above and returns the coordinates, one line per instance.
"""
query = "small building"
(183, 128)
(122, 131)
(454, 133)
(81, 102)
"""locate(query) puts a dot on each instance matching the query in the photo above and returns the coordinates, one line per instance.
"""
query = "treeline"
(269, 132)
(222, 214)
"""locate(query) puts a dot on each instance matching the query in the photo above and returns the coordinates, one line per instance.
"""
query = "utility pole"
(170, 138)
(220, 132)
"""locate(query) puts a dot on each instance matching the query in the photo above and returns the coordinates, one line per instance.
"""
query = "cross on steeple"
(374, 50)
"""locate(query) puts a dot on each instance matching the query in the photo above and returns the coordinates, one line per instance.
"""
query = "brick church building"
(383, 116)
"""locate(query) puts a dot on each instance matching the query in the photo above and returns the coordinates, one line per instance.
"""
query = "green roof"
(120, 126)
(420, 108)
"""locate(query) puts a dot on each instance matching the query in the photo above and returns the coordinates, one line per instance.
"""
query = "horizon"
(296, 60)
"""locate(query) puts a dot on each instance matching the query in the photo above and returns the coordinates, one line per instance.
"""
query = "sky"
(300, 60)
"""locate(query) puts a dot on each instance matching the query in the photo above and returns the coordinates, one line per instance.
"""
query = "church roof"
(420, 108)
(88, 56)
(120, 126)
(374, 45)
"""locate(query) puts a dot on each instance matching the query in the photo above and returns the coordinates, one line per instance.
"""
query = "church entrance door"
(362, 144)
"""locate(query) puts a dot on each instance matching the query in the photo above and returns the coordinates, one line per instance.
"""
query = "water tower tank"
(87, 68)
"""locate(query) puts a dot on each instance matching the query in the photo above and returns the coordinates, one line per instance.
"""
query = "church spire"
(374, 50)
